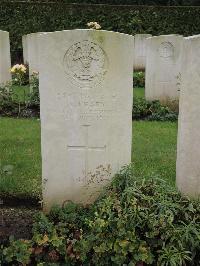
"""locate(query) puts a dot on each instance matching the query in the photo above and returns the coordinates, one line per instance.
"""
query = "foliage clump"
(152, 111)
(139, 79)
(136, 221)
(11, 104)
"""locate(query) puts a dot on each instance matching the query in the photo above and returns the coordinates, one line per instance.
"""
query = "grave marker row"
(86, 116)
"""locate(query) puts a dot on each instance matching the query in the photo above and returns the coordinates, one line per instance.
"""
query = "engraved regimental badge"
(85, 63)
(166, 49)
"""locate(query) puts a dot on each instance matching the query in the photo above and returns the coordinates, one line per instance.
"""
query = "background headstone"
(32, 52)
(25, 48)
(86, 106)
(188, 147)
(163, 62)
(5, 61)
(140, 51)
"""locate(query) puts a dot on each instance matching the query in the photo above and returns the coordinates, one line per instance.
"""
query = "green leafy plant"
(19, 251)
(34, 97)
(11, 104)
(7, 105)
(139, 79)
(152, 110)
(135, 221)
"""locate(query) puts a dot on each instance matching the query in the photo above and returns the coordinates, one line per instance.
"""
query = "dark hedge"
(22, 18)
(126, 2)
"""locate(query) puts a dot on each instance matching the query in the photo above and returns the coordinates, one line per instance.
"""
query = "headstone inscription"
(163, 64)
(86, 102)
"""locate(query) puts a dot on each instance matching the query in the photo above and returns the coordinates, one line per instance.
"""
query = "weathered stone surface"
(5, 62)
(188, 147)
(140, 51)
(25, 48)
(32, 52)
(86, 104)
(163, 62)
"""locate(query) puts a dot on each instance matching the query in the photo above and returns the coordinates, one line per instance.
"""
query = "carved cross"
(86, 148)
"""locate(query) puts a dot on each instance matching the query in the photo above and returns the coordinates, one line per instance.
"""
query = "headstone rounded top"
(165, 36)
(89, 31)
(143, 34)
(192, 37)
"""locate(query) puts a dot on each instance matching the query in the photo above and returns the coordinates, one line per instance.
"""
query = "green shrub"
(8, 106)
(127, 2)
(136, 221)
(11, 104)
(154, 110)
(18, 252)
(34, 96)
(139, 79)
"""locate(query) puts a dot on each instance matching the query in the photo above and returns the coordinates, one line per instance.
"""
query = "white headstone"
(188, 147)
(32, 52)
(163, 62)
(25, 48)
(86, 106)
(5, 62)
(140, 51)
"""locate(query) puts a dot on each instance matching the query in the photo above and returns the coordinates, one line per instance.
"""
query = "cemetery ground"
(153, 157)
(154, 154)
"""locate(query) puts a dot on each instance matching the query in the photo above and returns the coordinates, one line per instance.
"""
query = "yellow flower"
(18, 68)
(12, 70)
(23, 68)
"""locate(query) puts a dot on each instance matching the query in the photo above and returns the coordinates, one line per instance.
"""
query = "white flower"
(94, 25)
(35, 73)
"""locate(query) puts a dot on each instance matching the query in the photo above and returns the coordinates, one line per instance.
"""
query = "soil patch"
(16, 222)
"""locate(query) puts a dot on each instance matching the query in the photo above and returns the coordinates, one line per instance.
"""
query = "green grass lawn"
(20, 160)
(154, 153)
(138, 93)
(154, 149)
